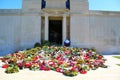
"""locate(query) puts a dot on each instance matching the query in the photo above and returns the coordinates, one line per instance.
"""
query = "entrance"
(55, 31)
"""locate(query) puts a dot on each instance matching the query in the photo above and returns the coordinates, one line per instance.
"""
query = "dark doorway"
(55, 31)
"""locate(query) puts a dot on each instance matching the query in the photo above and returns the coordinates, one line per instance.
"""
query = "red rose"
(47, 69)
(57, 58)
(20, 64)
(12, 54)
(58, 69)
(86, 58)
(5, 66)
(83, 72)
(100, 57)
(73, 68)
(51, 63)
(42, 67)
(28, 65)
(43, 63)
(60, 62)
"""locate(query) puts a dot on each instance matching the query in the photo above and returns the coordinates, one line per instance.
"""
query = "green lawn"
(118, 64)
(118, 57)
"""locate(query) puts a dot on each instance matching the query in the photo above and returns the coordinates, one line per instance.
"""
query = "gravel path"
(110, 73)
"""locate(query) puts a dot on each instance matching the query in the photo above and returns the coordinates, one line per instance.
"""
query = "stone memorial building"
(56, 21)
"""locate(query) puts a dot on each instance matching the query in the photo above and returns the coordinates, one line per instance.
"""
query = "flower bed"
(66, 60)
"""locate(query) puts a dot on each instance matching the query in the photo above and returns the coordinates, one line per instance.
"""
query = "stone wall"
(79, 30)
(18, 31)
(99, 29)
(31, 6)
(31, 30)
(79, 6)
(105, 31)
(55, 4)
(10, 28)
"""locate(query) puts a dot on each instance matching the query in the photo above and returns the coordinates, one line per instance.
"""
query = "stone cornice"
(14, 12)
(104, 13)
(10, 11)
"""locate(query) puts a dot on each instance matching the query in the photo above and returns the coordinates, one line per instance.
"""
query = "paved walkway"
(110, 73)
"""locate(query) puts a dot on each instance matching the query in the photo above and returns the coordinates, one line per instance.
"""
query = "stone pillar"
(64, 28)
(46, 27)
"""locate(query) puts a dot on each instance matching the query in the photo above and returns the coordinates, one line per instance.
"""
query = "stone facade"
(22, 28)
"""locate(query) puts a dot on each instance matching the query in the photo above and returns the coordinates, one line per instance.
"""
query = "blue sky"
(108, 5)
(10, 4)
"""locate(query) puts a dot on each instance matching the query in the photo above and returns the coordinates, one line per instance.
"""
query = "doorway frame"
(64, 26)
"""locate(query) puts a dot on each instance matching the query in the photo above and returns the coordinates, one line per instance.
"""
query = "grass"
(118, 57)
(118, 64)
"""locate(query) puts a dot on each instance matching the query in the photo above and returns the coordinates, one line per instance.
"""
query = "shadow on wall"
(108, 50)
(104, 50)
(5, 50)
(101, 50)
